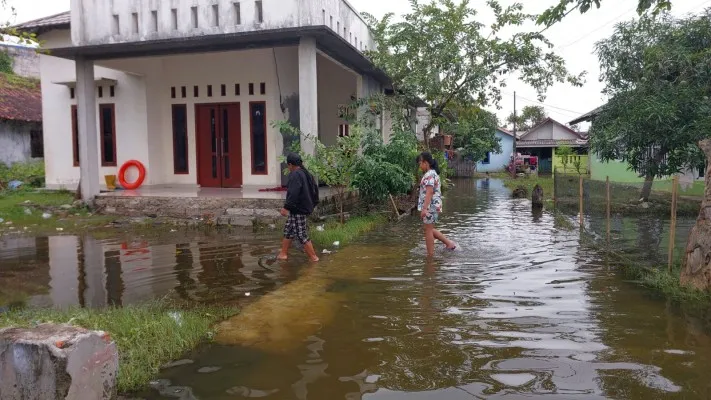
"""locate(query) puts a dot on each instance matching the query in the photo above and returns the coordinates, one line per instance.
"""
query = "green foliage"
(656, 74)
(442, 53)
(8, 16)
(564, 7)
(474, 132)
(6, 62)
(147, 335)
(30, 173)
(529, 117)
(345, 233)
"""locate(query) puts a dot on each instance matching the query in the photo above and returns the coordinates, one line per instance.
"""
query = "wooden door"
(219, 145)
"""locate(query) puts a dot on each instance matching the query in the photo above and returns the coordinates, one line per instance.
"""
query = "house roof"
(506, 131)
(551, 143)
(20, 99)
(547, 120)
(587, 116)
(40, 25)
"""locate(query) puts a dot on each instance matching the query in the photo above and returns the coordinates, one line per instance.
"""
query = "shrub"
(30, 173)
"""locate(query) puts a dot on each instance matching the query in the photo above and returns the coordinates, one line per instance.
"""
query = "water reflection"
(68, 271)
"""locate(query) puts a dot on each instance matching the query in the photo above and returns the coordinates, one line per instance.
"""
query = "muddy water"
(525, 310)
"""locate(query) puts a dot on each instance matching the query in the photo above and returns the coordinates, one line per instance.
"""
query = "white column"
(88, 135)
(308, 93)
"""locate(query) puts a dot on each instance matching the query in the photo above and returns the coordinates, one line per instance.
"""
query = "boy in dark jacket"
(301, 198)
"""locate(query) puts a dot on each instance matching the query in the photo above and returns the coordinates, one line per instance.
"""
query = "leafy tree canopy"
(657, 76)
(8, 14)
(565, 7)
(474, 131)
(529, 117)
(441, 52)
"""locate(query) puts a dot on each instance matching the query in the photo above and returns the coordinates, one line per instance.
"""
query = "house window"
(134, 17)
(251, 89)
(36, 144)
(75, 136)
(180, 139)
(238, 14)
(263, 88)
(183, 92)
(194, 17)
(101, 91)
(259, 12)
(258, 128)
(237, 89)
(112, 91)
(344, 130)
(172, 92)
(487, 159)
(107, 122)
(209, 90)
(215, 15)
(72, 93)
(154, 20)
(223, 90)
(116, 28)
(174, 19)
(196, 91)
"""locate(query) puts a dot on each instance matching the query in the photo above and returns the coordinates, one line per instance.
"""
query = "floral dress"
(430, 179)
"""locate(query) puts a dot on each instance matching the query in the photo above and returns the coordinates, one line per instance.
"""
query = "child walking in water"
(301, 198)
(430, 202)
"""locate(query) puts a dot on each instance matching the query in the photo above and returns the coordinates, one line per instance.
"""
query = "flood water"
(524, 310)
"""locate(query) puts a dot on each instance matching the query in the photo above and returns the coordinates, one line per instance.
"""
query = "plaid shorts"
(296, 228)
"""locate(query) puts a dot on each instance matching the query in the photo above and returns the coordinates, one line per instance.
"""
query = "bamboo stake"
(397, 213)
(672, 229)
(607, 184)
(581, 204)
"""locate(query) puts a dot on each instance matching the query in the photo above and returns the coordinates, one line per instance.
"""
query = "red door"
(219, 145)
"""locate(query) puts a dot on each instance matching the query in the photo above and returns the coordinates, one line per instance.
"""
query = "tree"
(655, 73)
(474, 131)
(529, 117)
(7, 19)
(440, 52)
(564, 7)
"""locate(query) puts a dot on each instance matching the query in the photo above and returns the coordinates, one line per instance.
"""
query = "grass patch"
(561, 221)
(147, 335)
(25, 209)
(345, 233)
(667, 283)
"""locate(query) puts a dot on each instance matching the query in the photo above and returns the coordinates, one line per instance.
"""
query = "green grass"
(529, 183)
(13, 206)
(667, 284)
(147, 335)
(334, 231)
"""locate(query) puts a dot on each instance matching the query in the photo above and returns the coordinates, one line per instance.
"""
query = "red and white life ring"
(141, 175)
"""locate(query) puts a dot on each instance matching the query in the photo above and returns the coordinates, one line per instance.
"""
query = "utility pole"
(513, 157)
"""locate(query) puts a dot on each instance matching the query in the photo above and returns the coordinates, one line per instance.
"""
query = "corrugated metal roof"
(46, 23)
(20, 99)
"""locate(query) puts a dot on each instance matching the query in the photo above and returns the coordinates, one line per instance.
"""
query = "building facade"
(497, 162)
(192, 89)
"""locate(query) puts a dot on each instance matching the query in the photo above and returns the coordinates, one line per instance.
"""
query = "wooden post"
(397, 212)
(607, 184)
(672, 228)
(582, 215)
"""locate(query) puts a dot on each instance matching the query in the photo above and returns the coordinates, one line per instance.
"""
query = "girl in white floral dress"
(430, 202)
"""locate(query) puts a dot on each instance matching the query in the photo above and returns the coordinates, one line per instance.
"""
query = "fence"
(651, 233)
(461, 168)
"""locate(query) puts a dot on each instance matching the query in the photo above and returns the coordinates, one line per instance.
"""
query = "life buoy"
(141, 175)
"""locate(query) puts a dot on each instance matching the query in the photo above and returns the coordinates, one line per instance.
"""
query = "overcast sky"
(574, 39)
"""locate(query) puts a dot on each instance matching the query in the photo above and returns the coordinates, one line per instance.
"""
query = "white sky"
(574, 39)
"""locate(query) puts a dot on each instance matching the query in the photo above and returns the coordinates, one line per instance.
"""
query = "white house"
(190, 88)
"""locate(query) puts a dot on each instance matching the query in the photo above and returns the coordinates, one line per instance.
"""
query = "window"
(75, 136)
(323, 14)
(223, 90)
(238, 14)
(194, 17)
(237, 89)
(251, 89)
(180, 139)
(134, 17)
(107, 124)
(196, 91)
(330, 23)
(101, 91)
(116, 28)
(183, 92)
(344, 130)
(172, 92)
(174, 19)
(258, 127)
(112, 91)
(263, 88)
(209, 90)
(36, 144)
(154, 21)
(215, 15)
(259, 12)
(487, 159)
(72, 93)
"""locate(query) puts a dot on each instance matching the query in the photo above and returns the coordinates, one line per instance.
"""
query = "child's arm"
(428, 200)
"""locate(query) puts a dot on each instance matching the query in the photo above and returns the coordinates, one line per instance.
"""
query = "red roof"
(20, 99)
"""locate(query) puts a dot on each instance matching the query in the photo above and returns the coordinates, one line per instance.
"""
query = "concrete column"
(308, 93)
(88, 135)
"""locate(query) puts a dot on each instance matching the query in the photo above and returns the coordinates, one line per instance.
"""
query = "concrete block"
(57, 362)
(241, 221)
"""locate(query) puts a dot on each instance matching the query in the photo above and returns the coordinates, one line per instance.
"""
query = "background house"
(496, 162)
(543, 139)
(20, 119)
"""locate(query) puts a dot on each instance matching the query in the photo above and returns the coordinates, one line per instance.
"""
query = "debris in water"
(28, 211)
(1, 220)
(247, 392)
(325, 251)
(46, 216)
(208, 370)
(336, 243)
(60, 229)
(248, 294)
(177, 317)
(27, 202)
(320, 228)
(177, 364)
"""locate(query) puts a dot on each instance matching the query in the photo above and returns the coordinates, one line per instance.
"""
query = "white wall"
(131, 122)
(15, 141)
(94, 21)
(550, 131)
(336, 85)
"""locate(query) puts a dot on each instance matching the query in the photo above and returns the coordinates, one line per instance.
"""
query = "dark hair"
(294, 159)
(426, 156)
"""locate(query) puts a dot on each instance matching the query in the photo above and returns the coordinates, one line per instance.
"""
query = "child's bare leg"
(309, 249)
(439, 236)
(429, 239)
